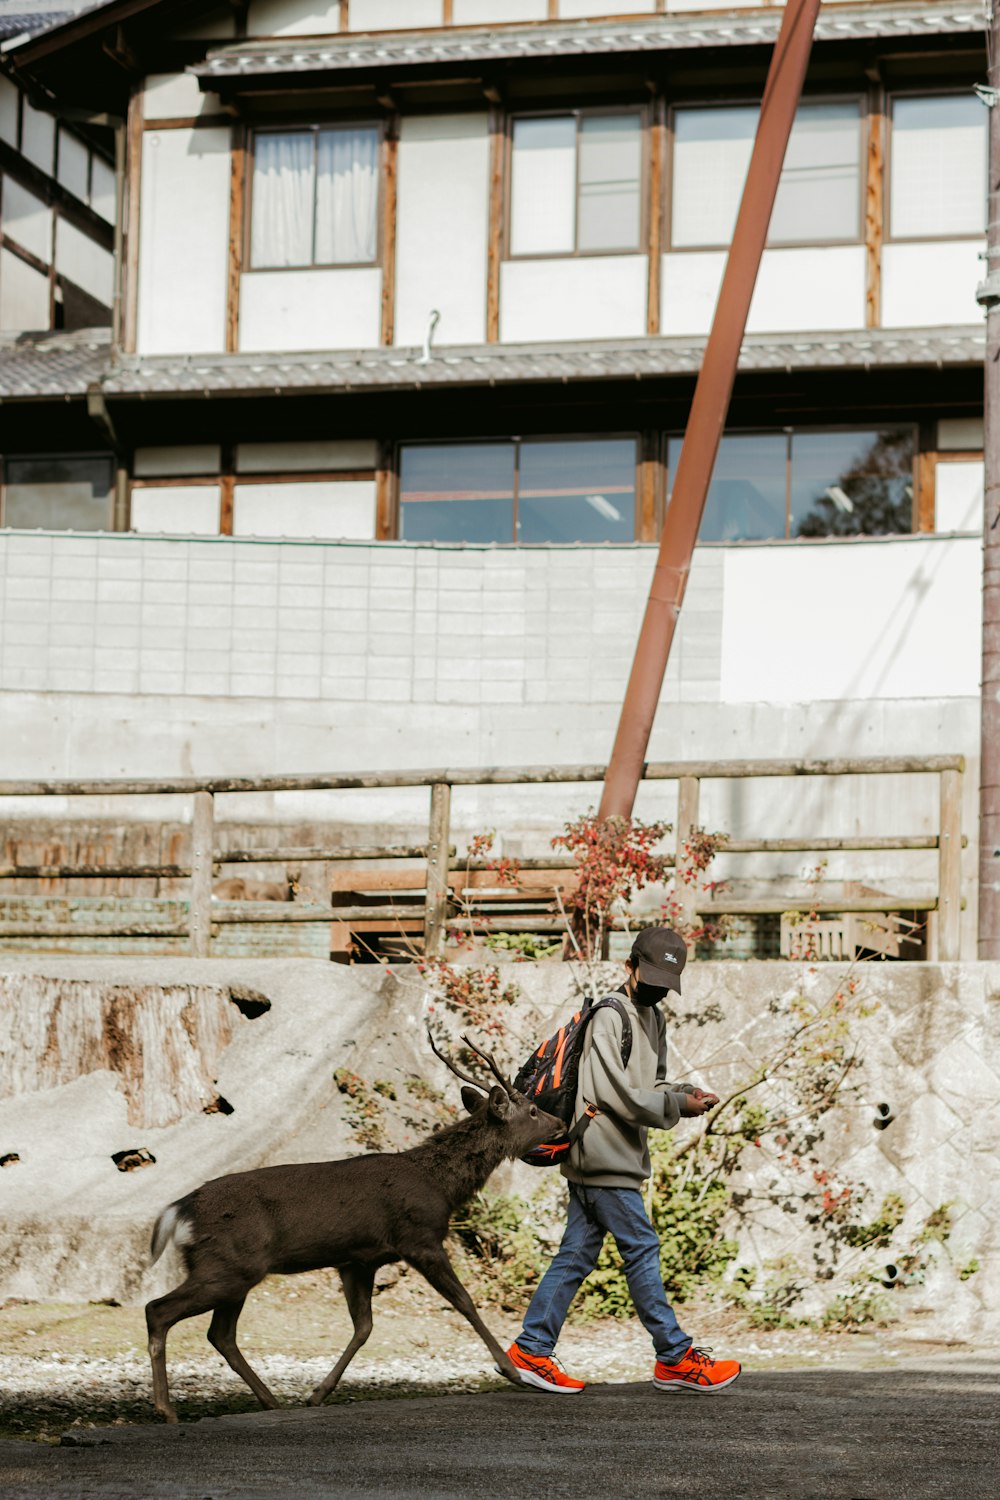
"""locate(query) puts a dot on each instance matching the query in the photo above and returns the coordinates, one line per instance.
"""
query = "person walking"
(605, 1170)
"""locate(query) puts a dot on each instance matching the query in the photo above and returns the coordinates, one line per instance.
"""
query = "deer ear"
(472, 1099)
(501, 1106)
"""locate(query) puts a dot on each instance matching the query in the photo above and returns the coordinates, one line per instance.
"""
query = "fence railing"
(439, 855)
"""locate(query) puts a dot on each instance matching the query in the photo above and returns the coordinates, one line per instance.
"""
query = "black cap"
(658, 956)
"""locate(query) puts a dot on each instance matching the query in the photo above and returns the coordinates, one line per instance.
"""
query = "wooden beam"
(498, 155)
(709, 770)
(647, 529)
(925, 481)
(949, 921)
(345, 15)
(385, 494)
(237, 199)
(390, 166)
(874, 206)
(657, 157)
(133, 171)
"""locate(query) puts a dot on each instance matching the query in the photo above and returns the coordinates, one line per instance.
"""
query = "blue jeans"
(593, 1213)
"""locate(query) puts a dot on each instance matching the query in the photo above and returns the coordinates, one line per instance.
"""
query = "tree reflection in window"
(852, 483)
(773, 485)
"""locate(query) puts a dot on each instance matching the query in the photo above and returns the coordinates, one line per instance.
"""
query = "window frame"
(867, 122)
(791, 430)
(83, 454)
(888, 237)
(633, 434)
(376, 122)
(645, 115)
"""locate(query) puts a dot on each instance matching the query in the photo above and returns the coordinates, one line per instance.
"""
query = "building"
(409, 304)
(57, 201)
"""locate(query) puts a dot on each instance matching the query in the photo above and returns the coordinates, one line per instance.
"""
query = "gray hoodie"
(612, 1151)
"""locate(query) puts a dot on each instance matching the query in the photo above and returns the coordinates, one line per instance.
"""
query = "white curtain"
(346, 196)
(282, 230)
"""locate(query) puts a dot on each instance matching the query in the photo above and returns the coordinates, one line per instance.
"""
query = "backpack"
(549, 1077)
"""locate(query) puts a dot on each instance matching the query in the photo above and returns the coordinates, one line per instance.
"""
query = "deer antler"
(490, 1062)
(466, 1077)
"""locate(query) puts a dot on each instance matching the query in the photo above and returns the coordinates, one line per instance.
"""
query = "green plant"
(969, 1269)
(505, 1254)
(362, 1111)
(858, 1307)
(527, 947)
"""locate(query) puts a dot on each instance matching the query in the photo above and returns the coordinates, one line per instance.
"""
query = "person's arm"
(603, 1080)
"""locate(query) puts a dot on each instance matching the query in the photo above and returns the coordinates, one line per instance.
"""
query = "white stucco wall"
(314, 309)
(932, 284)
(799, 289)
(24, 295)
(442, 226)
(293, 17)
(183, 241)
(176, 510)
(343, 508)
(584, 297)
(82, 261)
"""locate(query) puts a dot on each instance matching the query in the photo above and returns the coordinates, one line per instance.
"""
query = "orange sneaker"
(543, 1371)
(696, 1372)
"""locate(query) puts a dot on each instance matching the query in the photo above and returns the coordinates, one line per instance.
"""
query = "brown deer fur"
(356, 1214)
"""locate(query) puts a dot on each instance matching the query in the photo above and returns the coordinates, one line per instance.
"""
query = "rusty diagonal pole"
(709, 407)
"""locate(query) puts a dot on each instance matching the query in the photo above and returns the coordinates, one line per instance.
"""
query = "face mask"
(648, 994)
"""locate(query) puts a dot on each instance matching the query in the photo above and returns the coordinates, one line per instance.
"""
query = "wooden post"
(657, 156)
(202, 849)
(237, 198)
(949, 918)
(494, 249)
(688, 788)
(390, 157)
(436, 909)
(874, 206)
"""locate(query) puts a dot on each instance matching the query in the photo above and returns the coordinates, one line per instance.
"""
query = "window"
(58, 493)
(819, 195)
(937, 167)
(807, 484)
(576, 184)
(538, 490)
(315, 197)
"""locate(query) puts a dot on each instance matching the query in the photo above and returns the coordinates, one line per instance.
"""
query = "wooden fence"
(436, 910)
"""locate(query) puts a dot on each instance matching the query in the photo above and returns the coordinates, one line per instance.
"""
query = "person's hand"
(698, 1102)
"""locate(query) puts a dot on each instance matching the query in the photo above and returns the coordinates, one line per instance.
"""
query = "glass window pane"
(346, 196)
(543, 186)
(58, 494)
(577, 491)
(937, 171)
(852, 483)
(711, 154)
(746, 499)
(282, 230)
(610, 176)
(819, 192)
(461, 492)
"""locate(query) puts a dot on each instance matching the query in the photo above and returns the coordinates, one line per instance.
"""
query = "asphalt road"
(909, 1434)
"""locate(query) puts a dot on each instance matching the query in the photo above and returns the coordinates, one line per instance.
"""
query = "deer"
(354, 1214)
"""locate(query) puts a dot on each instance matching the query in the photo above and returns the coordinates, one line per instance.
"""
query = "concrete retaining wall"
(73, 1227)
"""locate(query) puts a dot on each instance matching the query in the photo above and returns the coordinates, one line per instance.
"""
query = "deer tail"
(171, 1227)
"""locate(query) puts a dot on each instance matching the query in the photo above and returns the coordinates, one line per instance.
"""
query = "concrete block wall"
(130, 655)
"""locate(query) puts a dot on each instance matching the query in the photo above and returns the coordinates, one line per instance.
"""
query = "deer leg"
(186, 1301)
(358, 1282)
(222, 1336)
(435, 1266)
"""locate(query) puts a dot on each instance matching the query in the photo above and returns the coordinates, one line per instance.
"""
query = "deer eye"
(534, 1113)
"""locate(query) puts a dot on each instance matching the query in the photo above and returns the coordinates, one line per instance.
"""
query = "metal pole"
(709, 407)
(989, 779)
